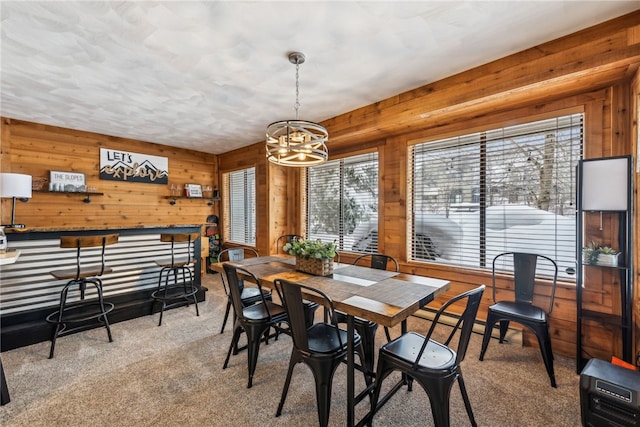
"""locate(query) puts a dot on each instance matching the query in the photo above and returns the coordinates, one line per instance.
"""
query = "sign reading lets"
(116, 165)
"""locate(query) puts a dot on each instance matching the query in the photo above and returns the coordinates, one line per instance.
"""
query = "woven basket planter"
(315, 266)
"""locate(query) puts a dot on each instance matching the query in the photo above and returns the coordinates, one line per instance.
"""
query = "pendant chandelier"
(297, 142)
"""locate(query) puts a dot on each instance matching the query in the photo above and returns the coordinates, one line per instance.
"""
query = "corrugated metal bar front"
(28, 284)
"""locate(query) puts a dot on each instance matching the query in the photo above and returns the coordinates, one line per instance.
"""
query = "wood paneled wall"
(590, 71)
(36, 149)
(594, 70)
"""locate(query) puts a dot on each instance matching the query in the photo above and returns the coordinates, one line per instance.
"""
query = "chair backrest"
(79, 242)
(174, 238)
(291, 293)
(524, 275)
(379, 261)
(237, 253)
(286, 238)
(235, 288)
(464, 325)
(88, 241)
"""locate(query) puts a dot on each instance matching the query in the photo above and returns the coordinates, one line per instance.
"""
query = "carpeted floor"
(172, 375)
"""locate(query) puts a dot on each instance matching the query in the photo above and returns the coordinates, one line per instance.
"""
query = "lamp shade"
(15, 185)
(605, 184)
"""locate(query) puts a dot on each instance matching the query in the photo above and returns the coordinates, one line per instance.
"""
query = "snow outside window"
(342, 202)
(510, 189)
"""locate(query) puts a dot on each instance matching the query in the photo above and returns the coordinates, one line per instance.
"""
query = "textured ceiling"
(210, 76)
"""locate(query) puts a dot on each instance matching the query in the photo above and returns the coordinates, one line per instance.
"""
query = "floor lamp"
(15, 186)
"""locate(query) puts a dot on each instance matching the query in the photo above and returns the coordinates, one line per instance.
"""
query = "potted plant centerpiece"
(597, 254)
(312, 256)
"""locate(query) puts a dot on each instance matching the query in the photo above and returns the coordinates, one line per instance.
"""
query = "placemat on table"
(366, 273)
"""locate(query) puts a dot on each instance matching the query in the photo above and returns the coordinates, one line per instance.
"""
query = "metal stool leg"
(105, 320)
(59, 324)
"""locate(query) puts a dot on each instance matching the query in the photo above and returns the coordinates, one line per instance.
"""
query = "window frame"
(306, 199)
(249, 216)
(435, 137)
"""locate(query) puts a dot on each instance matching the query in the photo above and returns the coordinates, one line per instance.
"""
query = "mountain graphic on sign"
(144, 165)
(148, 165)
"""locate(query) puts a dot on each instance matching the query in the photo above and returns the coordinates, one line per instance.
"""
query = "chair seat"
(176, 262)
(515, 310)
(436, 356)
(323, 339)
(88, 271)
(258, 312)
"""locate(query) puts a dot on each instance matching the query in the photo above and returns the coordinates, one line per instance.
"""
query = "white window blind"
(239, 204)
(342, 202)
(510, 189)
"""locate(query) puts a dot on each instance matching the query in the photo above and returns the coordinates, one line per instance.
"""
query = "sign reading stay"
(116, 165)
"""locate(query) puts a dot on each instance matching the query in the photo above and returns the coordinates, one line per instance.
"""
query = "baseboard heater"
(513, 335)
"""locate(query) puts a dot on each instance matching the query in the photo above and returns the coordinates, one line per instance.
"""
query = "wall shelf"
(87, 194)
(210, 200)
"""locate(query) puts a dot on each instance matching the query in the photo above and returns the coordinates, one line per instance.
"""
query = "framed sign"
(118, 165)
(193, 190)
(67, 181)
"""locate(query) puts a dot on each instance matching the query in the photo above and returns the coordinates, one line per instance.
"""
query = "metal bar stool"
(174, 293)
(82, 311)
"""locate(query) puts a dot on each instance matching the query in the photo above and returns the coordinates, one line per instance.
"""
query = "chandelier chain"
(297, 106)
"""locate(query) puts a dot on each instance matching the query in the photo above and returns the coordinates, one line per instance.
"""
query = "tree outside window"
(510, 189)
(342, 195)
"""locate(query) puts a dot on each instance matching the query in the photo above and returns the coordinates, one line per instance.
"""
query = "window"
(342, 202)
(239, 204)
(510, 189)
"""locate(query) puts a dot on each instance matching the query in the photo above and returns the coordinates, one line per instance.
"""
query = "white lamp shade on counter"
(15, 185)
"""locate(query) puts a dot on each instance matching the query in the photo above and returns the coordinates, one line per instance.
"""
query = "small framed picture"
(193, 190)
(73, 182)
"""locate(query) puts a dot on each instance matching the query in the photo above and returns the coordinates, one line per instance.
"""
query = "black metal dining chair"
(434, 365)
(321, 346)
(378, 261)
(521, 308)
(248, 294)
(255, 320)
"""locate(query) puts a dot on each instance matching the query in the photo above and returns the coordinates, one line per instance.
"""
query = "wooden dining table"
(385, 297)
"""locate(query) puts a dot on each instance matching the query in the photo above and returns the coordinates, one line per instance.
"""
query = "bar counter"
(28, 292)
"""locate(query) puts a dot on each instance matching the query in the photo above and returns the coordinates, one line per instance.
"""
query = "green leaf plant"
(310, 249)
